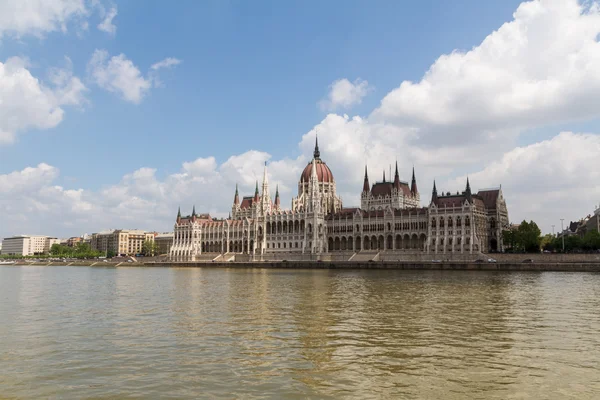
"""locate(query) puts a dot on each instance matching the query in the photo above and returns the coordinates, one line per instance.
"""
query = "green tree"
(529, 237)
(572, 243)
(508, 238)
(148, 248)
(591, 240)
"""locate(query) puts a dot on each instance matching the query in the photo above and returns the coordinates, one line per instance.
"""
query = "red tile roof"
(489, 197)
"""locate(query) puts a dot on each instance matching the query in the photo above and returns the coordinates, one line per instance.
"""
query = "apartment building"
(121, 241)
(28, 245)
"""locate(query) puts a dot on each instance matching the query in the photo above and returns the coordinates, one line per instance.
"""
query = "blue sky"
(253, 76)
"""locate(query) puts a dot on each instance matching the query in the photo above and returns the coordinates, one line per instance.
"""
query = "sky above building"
(114, 113)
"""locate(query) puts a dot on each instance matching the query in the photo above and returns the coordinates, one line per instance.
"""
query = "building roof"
(324, 174)
(247, 202)
(385, 188)
(489, 197)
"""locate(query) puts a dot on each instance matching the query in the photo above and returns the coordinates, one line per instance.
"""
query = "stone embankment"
(581, 266)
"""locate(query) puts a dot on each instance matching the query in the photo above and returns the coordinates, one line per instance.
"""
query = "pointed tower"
(236, 198)
(179, 215)
(434, 193)
(317, 153)
(256, 197)
(265, 200)
(366, 182)
(277, 200)
(468, 194)
(194, 213)
(396, 177)
(413, 183)
(384, 176)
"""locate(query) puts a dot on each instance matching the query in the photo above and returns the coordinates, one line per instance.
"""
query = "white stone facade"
(390, 219)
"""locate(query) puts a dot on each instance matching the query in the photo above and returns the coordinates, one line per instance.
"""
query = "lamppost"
(563, 234)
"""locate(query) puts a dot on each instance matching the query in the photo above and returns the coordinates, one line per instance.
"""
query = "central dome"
(323, 172)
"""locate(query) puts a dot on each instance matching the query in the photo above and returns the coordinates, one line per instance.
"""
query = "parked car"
(491, 260)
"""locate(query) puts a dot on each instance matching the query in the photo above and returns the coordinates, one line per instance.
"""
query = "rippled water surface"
(78, 332)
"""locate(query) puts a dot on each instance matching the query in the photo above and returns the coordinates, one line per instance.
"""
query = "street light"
(563, 233)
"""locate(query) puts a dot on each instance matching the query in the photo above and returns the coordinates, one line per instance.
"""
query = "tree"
(547, 242)
(591, 240)
(508, 238)
(529, 237)
(149, 248)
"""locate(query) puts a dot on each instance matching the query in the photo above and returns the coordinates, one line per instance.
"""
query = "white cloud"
(26, 103)
(344, 94)
(37, 17)
(120, 75)
(107, 25)
(545, 181)
(543, 67)
(166, 63)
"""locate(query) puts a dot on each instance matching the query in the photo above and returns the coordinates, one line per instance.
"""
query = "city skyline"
(105, 132)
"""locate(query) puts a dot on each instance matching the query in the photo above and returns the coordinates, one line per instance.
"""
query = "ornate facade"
(390, 219)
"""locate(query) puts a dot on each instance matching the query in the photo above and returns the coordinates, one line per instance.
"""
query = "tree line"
(527, 238)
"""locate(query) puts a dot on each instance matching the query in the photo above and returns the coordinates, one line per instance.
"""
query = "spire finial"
(384, 176)
(316, 153)
(179, 212)
(256, 189)
(194, 211)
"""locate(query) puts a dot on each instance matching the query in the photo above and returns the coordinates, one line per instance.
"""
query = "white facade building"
(390, 219)
(28, 245)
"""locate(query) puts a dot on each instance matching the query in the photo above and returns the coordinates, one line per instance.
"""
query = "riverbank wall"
(350, 265)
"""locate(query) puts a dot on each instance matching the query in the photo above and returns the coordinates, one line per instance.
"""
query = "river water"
(80, 332)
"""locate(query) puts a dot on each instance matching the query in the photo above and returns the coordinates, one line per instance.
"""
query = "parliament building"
(390, 219)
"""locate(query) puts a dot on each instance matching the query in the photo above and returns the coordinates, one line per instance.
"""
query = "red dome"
(323, 172)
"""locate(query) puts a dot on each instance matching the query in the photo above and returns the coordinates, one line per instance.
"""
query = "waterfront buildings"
(121, 241)
(390, 219)
(27, 245)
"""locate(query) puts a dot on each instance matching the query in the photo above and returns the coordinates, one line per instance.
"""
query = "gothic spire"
(236, 198)
(366, 182)
(413, 184)
(384, 176)
(396, 177)
(277, 200)
(468, 190)
(194, 211)
(179, 213)
(434, 193)
(316, 153)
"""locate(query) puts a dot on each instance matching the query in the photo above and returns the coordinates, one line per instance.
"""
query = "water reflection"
(214, 333)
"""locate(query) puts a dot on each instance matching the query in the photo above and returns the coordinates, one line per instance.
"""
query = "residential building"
(28, 245)
(390, 219)
(121, 241)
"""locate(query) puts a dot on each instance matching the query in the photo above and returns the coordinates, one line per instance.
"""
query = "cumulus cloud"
(38, 17)
(542, 67)
(344, 94)
(545, 181)
(107, 25)
(120, 75)
(26, 103)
